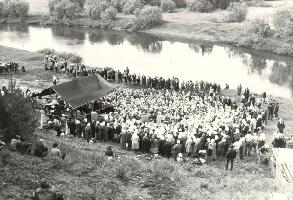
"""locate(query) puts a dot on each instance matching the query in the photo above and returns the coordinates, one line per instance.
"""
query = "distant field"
(38, 7)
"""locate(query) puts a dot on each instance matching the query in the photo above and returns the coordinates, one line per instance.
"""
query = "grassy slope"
(85, 174)
(141, 179)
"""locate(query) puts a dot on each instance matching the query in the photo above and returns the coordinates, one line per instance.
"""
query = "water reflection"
(155, 56)
(74, 35)
(146, 43)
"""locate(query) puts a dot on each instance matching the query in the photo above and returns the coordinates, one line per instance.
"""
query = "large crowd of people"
(171, 119)
(187, 120)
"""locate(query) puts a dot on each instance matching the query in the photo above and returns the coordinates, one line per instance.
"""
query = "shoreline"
(218, 33)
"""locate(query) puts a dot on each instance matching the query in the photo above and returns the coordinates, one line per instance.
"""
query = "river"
(156, 56)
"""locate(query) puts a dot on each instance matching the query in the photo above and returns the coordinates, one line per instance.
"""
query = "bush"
(237, 12)
(94, 11)
(283, 22)
(149, 16)
(80, 3)
(64, 9)
(14, 8)
(130, 6)
(154, 3)
(109, 14)
(200, 6)
(168, 6)
(95, 8)
(259, 27)
(17, 115)
(117, 4)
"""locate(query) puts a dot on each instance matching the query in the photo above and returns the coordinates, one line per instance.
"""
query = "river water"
(156, 56)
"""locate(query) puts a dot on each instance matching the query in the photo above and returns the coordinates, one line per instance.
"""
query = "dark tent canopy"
(83, 90)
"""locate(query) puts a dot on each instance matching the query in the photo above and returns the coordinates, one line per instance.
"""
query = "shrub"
(17, 114)
(80, 3)
(200, 6)
(237, 12)
(109, 14)
(130, 6)
(117, 4)
(14, 8)
(259, 27)
(168, 6)
(149, 16)
(95, 8)
(94, 11)
(154, 3)
(283, 22)
(64, 9)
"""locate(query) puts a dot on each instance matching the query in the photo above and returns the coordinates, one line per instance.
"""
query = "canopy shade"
(83, 90)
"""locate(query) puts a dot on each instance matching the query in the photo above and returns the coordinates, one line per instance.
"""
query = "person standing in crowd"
(177, 149)
(54, 80)
(231, 155)
(276, 110)
(281, 125)
(87, 132)
(271, 111)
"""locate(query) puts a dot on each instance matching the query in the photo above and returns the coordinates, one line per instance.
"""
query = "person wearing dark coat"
(87, 132)
(167, 149)
(177, 149)
(146, 144)
(128, 140)
(231, 155)
(281, 125)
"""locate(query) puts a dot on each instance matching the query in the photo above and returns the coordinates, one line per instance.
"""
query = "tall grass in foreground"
(71, 57)
(86, 174)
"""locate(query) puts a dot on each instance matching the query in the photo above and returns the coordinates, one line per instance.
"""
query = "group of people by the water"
(10, 67)
(175, 120)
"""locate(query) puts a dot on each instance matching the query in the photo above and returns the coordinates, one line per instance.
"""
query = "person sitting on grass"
(56, 152)
(46, 192)
(109, 152)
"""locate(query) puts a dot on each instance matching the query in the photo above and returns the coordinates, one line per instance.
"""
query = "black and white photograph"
(146, 99)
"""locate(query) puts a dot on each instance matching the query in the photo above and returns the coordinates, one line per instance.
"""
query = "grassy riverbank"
(184, 24)
(85, 174)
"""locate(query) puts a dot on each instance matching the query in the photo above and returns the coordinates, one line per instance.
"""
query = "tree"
(16, 115)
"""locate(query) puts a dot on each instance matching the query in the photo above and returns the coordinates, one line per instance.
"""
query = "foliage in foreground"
(16, 115)
(86, 174)
(13, 8)
(71, 57)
